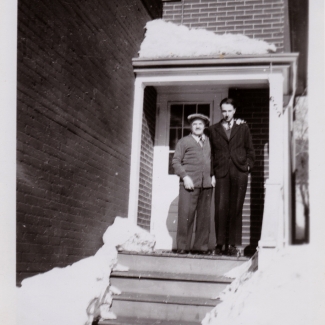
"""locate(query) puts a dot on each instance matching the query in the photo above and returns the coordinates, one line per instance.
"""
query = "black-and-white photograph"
(161, 162)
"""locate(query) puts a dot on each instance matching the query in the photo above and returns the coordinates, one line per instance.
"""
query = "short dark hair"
(229, 101)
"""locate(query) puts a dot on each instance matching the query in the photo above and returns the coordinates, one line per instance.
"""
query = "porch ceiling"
(211, 86)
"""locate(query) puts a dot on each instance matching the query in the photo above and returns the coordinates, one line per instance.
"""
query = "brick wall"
(146, 158)
(254, 109)
(261, 19)
(75, 99)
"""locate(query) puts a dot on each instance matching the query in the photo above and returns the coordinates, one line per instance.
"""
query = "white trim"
(135, 150)
(229, 60)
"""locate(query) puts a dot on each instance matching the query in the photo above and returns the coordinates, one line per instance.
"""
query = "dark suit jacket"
(239, 148)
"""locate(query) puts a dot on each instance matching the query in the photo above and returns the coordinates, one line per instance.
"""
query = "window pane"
(188, 110)
(186, 132)
(174, 135)
(176, 112)
(170, 167)
(179, 126)
(204, 109)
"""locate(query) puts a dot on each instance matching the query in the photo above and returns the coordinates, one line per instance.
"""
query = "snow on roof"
(167, 40)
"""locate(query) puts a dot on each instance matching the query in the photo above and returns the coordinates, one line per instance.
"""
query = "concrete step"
(184, 264)
(168, 289)
(145, 321)
(162, 307)
(184, 285)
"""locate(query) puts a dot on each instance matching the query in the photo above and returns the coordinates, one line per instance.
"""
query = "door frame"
(165, 187)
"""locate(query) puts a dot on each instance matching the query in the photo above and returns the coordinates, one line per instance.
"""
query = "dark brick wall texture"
(254, 109)
(75, 99)
(261, 19)
(146, 157)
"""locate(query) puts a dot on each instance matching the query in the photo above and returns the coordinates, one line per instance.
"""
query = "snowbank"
(80, 292)
(278, 295)
(167, 40)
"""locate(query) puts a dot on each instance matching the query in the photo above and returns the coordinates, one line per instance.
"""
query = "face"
(197, 127)
(228, 111)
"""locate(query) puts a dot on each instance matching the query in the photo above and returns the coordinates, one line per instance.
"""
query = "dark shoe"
(232, 251)
(182, 251)
(216, 252)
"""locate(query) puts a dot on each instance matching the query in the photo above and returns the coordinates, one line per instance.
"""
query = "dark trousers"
(229, 198)
(199, 201)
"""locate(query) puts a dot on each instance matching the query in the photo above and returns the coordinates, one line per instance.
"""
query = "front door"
(171, 125)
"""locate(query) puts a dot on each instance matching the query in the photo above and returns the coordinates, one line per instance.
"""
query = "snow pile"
(277, 295)
(249, 266)
(80, 292)
(167, 40)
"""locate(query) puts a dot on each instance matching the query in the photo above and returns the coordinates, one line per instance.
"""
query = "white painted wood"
(135, 151)
(276, 141)
(228, 60)
(286, 181)
(274, 228)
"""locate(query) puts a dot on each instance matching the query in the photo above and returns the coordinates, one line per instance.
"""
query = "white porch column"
(136, 148)
(273, 218)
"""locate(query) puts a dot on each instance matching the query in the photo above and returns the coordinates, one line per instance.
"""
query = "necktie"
(229, 125)
(201, 142)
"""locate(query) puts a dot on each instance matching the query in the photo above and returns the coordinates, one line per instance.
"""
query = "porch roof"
(244, 65)
(225, 60)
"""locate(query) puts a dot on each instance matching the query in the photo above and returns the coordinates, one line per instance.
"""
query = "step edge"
(123, 320)
(163, 299)
(187, 256)
(157, 276)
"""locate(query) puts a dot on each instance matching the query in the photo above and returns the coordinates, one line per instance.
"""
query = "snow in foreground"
(167, 40)
(280, 294)
(78, 293)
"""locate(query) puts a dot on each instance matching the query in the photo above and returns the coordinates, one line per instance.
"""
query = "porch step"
(168, 289)
(162, 307)
(166, 299)
(145, 321)
(176, 284)
(183, 264)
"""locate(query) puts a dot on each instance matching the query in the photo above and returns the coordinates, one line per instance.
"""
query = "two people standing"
(222, 160)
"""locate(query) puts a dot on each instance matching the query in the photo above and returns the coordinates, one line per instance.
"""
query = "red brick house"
(89, 123)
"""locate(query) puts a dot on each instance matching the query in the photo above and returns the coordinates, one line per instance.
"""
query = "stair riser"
(159, 311)
(178, 265)
(170, 288)
(136, 321)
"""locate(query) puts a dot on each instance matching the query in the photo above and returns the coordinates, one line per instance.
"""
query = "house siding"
(146, 157)
(74, 110)
(261, 19)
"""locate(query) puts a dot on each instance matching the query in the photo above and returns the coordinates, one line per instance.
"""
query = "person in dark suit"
(192, 163)
(233, 158)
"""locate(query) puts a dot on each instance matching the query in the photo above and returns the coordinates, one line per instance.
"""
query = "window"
(179, 126)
